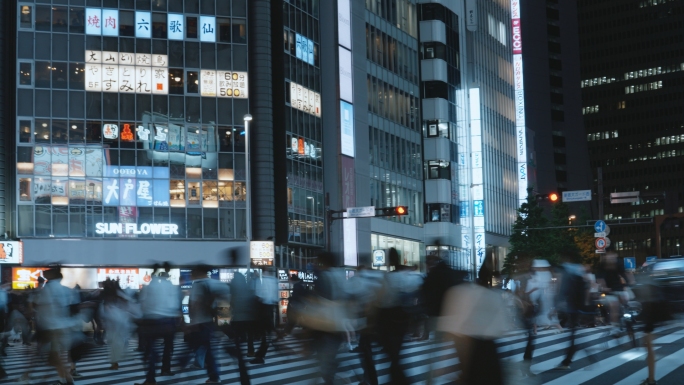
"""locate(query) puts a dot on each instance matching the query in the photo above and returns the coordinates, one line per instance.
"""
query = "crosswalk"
(600, 359)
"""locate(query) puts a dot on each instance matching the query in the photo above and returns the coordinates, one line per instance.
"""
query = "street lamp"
(248, 188)
(570, 219)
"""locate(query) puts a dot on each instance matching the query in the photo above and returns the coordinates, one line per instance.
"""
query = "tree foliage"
(526, 245)
(538, 235)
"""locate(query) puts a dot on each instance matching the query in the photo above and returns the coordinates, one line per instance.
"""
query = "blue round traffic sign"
(600, 226)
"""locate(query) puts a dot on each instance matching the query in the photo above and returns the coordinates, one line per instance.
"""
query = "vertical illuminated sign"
(347, 146)
(143, 24)
(110, 22)
(176, 26)
(207, 29)
(477, 190)
(93, 19)
(520, 130)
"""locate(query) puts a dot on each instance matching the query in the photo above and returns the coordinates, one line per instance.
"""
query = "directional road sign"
(600, 226)
(630, 263)
(577, 196)
(361, 212)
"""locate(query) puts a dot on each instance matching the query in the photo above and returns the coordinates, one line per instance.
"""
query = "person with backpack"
(203, 296)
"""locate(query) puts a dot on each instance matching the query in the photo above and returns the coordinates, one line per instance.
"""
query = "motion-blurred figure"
(243, 315)
(571, 299)
(475, 316)
(541, 290)
(203, 296)
(392, 315)
(266, 290)
(296, 303)
(612, 279)
(325, 314)
(53, 315)
(363, 289)
(160, 303)
(119, 311)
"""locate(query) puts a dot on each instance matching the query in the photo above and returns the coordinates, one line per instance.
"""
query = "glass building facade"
(394, 139)
(129, 116)
(303, 125)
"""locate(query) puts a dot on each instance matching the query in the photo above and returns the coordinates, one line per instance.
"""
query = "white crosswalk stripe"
(600, 358)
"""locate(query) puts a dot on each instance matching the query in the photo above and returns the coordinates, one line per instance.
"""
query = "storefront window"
(411, 253)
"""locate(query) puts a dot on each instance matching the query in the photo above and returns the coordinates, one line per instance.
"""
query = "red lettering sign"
(127, 134)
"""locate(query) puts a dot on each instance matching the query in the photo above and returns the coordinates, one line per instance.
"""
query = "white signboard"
(262, 253)
(361, 212)
(208, 83)
(93, 18)
(305, 99)
(344, 23)
(232, 84)
(471, 15)
(93, 77)
(207, 28)
(11, 252)
(346, 80)
(347, 128)
(577, 196)
(136, 228)
(176, 26)
(126, 72)
(110, 22)
(127, 79)
(379, 258)
(350, 247)
(143, 24)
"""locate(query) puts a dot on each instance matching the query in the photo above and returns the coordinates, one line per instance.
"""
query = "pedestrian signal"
(391, 211)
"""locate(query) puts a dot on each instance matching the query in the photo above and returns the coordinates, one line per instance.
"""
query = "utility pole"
(600, 192)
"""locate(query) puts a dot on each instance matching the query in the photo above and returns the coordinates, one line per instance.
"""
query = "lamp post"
(313, 213)
(248, 188)
(570, 219)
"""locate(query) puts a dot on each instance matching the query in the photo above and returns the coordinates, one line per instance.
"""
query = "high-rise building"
(557, 147)
(375, 140)
(141, 131)
(631, 72)
(434, 127)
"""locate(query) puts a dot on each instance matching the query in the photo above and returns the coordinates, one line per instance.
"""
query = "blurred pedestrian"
(243, 315)
(476, 316)
(392, 317)
(542, 291)
(572, 297)
(53, 315)
(440, 278)
(363, 290)
(266, 290)
(203, 296)
(295, 304)
(160, 303)
(325, 314)
(119, 324)
(654, 311)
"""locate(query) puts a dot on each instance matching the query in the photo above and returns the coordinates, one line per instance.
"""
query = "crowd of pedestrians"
(336, 313)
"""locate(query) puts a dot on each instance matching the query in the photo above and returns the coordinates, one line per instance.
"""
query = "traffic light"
(391, 211)
(551, 197)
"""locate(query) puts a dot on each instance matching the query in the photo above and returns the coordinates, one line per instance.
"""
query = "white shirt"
(160, 300)
(267, 290)
(53, 306)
